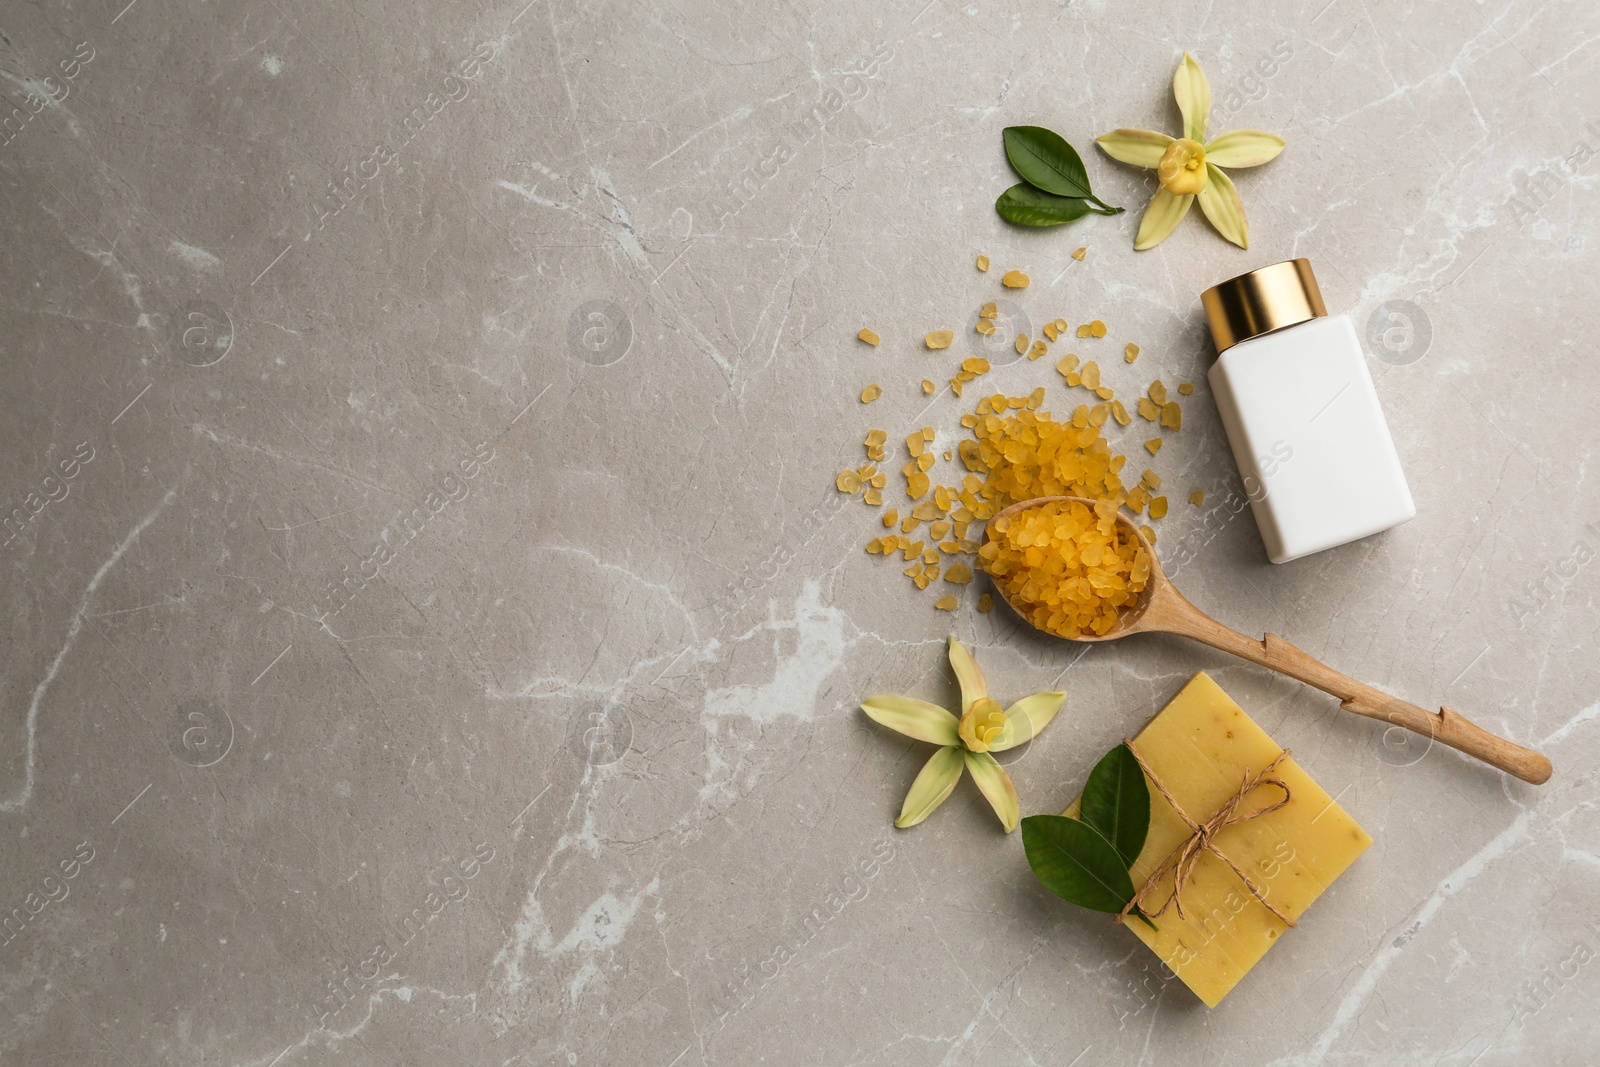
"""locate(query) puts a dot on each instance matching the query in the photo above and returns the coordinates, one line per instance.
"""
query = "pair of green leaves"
(1085, 861)
(1054, 187)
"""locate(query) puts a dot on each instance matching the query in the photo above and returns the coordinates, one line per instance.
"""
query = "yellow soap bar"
(1202, 746)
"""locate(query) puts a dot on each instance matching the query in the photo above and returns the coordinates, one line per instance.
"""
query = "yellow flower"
(1190, 167)
(965, 742)
(983, 725)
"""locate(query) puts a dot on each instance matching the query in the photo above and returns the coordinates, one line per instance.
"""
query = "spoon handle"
(1447, 726)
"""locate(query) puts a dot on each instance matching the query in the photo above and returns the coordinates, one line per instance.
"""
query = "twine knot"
(1182, 861)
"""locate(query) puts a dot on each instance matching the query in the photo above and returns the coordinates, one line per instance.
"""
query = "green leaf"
(1027, 206)
(1074, 862)
(1046, 160)
(1116, 802)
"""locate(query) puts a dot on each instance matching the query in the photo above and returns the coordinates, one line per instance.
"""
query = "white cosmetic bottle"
(1301, 414)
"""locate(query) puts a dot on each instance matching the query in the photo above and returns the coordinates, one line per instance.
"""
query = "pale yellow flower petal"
(1027, 717)
(996, 785)
(1193, 92)
(1244, 148)
(1142, 148)
(934, 782)
(968, 673)
(1220, 201)
(1161, 218)
(914, 718)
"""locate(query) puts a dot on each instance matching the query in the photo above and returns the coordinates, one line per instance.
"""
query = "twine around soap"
(1183, 859)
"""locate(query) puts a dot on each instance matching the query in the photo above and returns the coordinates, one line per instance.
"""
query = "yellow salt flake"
(1186, 388)
(958, 574)
(1097, 328)
(1149, 533)
(1021, 343)
(868, 336)
(985, 327)
(945, 603)
(1074, 379)
(1158, 508)
(875, 547)
(848, 482)
(871, 393)
(1039, 348)
(930, 556)
(955, 386)
(1051, 332)
(926, 461)
(1068, 364)
(928, 386)
(1105, 392)
(1154, 445)
(983, 263)
(939, 338)
(1085, 330)
(1151, 479)
(1091, 375)
(1014, 279)
(891, 517)
(1061, 326)
(1097, 415)
(1036, 398)
(986, 602)
(941, 499)
(1120, 413)
(928, 434)
(1172, 415)
(1148, 409)
(912, 552)
(1131, 353)
(1137, 499)
(866, 470)
(1158, 392)
(975, 365)
(991, 310)
(938, 530)
(873, 496)
(1068, 569)
(931, 572)
(927, 510)
(876, 437)
(1080, 253)
(917, 484)
(915, 444)
(1197, 497)
(907, 524)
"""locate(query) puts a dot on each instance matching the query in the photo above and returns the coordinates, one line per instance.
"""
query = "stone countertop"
(432, 635)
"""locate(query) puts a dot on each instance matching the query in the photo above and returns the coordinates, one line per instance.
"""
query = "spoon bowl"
(1129, 619)
(1163, 609)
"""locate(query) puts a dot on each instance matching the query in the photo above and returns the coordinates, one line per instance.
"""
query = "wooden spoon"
(1162, 609)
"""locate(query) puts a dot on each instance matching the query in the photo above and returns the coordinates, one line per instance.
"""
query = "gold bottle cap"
(1262, 301)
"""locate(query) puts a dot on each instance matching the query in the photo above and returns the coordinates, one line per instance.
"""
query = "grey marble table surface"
(431, 633)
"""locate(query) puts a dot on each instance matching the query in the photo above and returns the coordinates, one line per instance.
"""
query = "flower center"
(982, 725)
(1182, 169)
